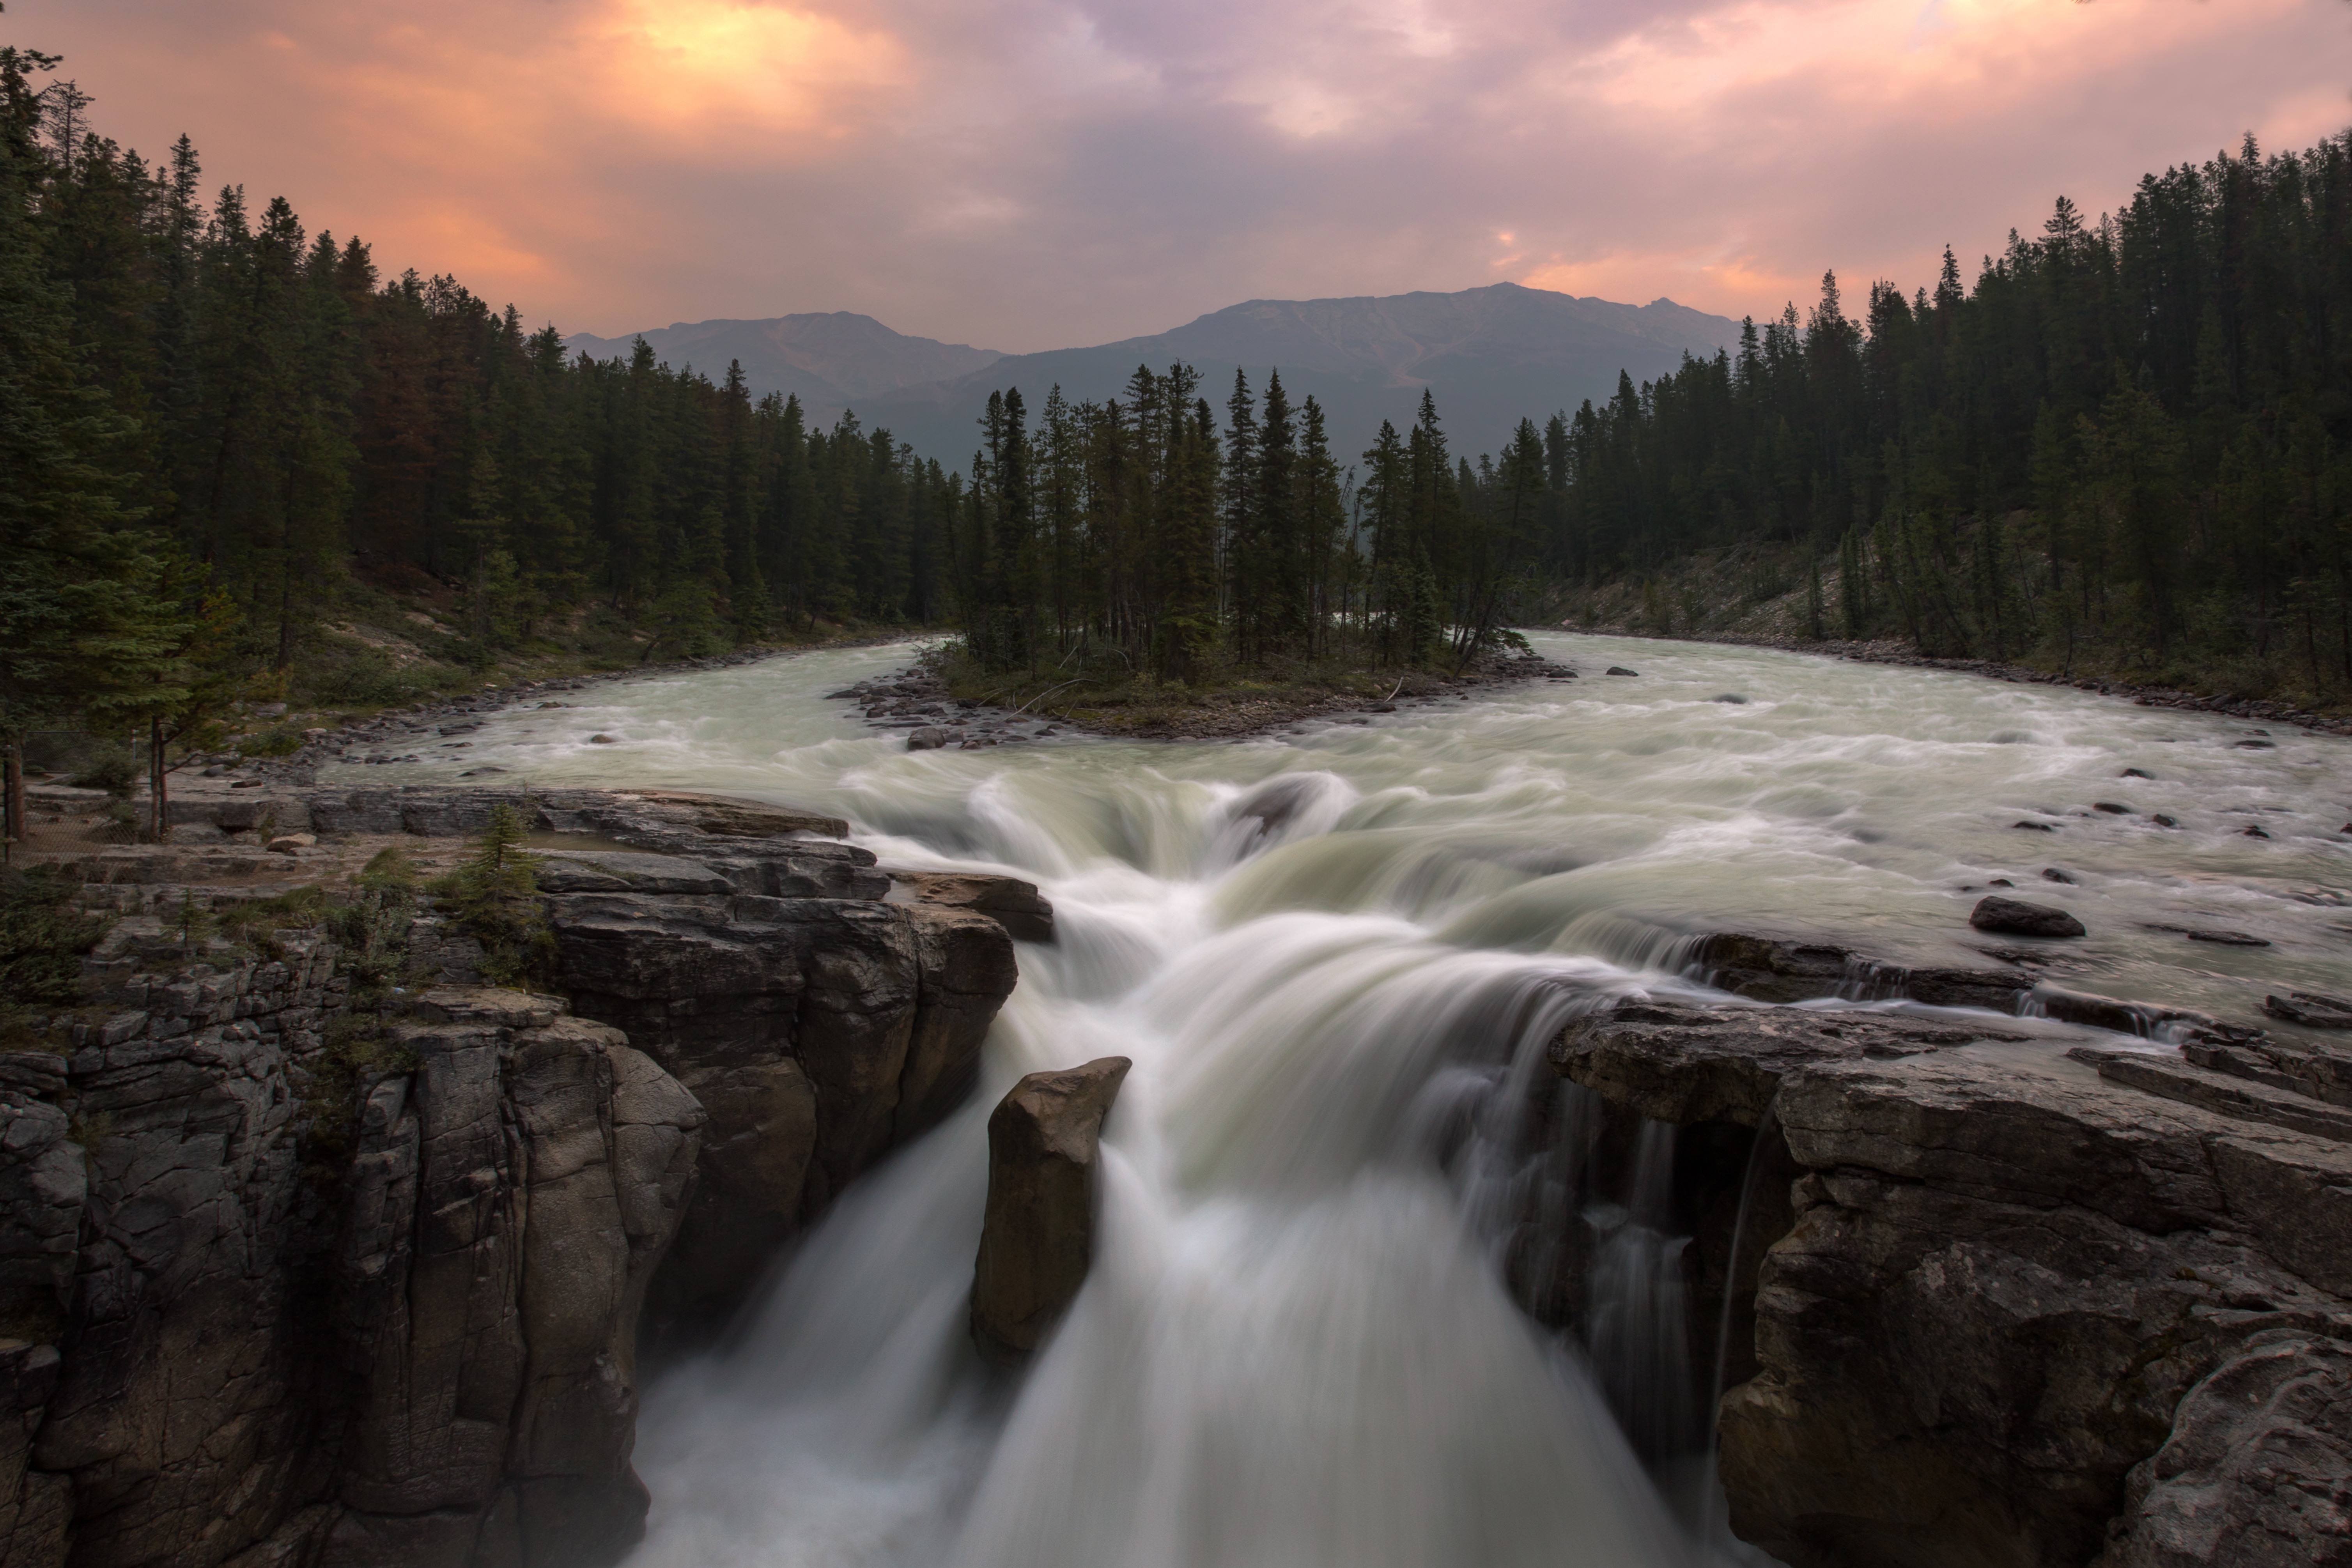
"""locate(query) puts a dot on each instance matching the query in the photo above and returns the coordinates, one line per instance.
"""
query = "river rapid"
(1334, 956)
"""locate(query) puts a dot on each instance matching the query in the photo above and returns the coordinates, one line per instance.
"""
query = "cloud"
(1029, 173)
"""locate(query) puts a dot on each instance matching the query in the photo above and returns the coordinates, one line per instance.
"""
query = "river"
(1334, 956)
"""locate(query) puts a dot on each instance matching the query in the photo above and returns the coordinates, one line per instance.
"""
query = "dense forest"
(2129, 444)
(225, 443)
(220, 434)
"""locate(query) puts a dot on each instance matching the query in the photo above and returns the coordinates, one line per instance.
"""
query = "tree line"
(1143, 530)
(211, 420)
(2130, 441)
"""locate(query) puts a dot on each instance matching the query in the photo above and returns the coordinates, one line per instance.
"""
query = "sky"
(1028, 175)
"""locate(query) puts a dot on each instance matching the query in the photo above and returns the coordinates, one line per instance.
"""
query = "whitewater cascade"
(1336, 958)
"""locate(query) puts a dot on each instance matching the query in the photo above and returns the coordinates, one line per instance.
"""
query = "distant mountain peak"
(1492, 355)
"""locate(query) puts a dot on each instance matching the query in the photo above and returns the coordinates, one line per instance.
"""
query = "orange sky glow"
(1026, 175)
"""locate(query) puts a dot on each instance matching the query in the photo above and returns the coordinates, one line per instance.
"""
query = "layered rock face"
(275, 1302)
(818, 1034)
(2027, 1300)
(509, 1202)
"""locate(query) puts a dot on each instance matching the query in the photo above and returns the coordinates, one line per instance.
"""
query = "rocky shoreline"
(1893, 652)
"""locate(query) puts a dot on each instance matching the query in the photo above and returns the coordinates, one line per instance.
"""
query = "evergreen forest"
(228, 445)
(2125, 448)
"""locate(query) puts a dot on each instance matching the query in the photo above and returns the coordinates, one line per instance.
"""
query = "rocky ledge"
(290, 1283)
(2005, 1297)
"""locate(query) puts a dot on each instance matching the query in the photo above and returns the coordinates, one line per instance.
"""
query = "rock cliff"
(286, 1285)
(2009, 1298)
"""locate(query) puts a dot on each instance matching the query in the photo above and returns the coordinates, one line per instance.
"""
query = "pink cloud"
(1027, 174)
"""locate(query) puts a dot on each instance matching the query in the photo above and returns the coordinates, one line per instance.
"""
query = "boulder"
(1621, 670)
(1011, 903)
(2015, 917)
(929, 738)
(1038, 1236)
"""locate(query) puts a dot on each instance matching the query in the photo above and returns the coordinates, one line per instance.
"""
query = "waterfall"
(1373, 1287)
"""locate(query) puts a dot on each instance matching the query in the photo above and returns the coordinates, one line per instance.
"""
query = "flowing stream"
(1334, 957)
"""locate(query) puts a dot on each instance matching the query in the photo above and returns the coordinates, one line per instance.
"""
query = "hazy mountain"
(833, 358)
(1492, 355)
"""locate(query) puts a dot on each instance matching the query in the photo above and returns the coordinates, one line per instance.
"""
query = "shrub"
(111, 769)
(42, 939)
(495, 894)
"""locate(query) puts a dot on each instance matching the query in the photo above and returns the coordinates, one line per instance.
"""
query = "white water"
(1295, 1348)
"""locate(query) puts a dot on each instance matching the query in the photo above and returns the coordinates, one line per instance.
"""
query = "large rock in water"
(2015, 917)
(1038, 1238)
(2032, 1300)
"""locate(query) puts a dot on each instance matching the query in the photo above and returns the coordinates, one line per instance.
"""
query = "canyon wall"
(292, 1282)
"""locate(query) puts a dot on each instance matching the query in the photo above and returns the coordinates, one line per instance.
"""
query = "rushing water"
(1334, 956)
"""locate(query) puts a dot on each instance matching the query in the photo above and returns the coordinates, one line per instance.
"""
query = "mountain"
(833, 358)
(1492, 355)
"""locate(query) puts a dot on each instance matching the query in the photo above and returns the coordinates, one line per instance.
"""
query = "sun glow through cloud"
(1033, 174)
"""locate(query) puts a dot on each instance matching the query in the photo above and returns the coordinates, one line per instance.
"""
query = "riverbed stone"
(1038, 1235)
(2016, 918)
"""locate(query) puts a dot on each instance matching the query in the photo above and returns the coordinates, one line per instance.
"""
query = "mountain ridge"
(1491, 355)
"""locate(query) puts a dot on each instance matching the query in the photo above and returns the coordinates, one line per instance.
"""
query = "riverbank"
(1892, 651)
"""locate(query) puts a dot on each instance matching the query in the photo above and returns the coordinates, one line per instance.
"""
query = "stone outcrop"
(285, 1286)
(1017, 905)
(2030, 1301)
(1038, 1236)
(509, 1202)
(818, 1034)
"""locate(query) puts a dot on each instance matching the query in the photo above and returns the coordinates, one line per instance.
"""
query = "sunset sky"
(1024, 174)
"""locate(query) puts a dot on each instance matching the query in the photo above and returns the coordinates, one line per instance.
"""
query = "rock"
(1011, 903)
(606, 871)
(1620, 669)
(929, 737)
(2257, 1470)
(510, 1200)
(2015, 917)
(821, 1033)
(1768, 970)
(2310, 1009)
(2051, 873)
(1038, 1236)
(2111, 808)
(1958, 1210)
(2256, 830)
(600, 738)
(1686, 1065)
(1730, 697)
(1999, 881)
(2137, 773)
(2035, 827)
(2161, 820)
(2228, 938)
(288, 843)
